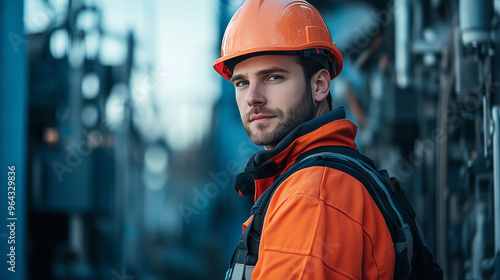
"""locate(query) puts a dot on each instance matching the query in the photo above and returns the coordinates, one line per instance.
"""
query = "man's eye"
(274, 78)
(240, 84)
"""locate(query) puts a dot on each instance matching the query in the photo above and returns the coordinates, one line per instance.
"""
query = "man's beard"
(303, 110)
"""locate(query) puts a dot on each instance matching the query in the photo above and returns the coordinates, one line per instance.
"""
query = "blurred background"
(126, 142)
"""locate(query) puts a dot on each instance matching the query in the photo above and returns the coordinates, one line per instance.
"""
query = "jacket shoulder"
(327, 185)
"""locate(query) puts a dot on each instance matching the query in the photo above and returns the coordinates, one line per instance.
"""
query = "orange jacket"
(321, 223)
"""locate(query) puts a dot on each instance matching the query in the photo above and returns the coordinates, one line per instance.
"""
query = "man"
(321, 223)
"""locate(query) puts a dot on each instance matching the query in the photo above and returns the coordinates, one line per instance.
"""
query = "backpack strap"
(401, 246)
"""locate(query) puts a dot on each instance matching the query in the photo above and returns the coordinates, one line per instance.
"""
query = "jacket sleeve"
(307, 236)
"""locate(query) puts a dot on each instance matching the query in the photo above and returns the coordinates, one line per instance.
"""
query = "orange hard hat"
(277, 26)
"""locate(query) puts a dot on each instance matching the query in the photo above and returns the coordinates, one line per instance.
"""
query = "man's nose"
(255, 95)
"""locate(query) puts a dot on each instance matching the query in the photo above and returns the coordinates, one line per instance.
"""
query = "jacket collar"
(330, 129)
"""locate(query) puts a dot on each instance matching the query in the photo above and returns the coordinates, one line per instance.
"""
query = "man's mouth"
(260, 118)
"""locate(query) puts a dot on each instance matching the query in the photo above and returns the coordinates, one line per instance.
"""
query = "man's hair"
(310, 67)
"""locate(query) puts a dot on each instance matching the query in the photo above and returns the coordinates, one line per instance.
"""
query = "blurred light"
(340, 88)
(87, 20)
(90, 86)
(185, 108)
(37, 16)
(90, 115)
(113, 51)
(154, 181)
(430, 59)
(155, 159)
(146, 122)
(76, 53)
(429, 35)
(51, 135)
(402, 43)
(155, 163)
(59, 40)
(91, 42)
(115, 105)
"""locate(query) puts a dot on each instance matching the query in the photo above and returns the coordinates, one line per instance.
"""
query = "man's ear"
(321, 85)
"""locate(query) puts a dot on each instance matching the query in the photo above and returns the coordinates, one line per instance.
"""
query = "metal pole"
(496, 185)
(402, 43)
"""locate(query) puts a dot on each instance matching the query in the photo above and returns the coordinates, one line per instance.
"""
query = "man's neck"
(322, 108)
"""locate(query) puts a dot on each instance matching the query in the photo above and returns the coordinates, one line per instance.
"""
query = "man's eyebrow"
(271, 70)
(262, 73)
(237, 77)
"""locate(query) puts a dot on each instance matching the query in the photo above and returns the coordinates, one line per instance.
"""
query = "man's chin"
(265, 135)
(258, 138)
(263, 139)
(259, 141)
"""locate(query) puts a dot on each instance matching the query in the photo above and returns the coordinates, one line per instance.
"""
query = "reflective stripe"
(240, 272)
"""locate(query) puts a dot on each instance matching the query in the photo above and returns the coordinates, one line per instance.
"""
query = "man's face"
(272, 96)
